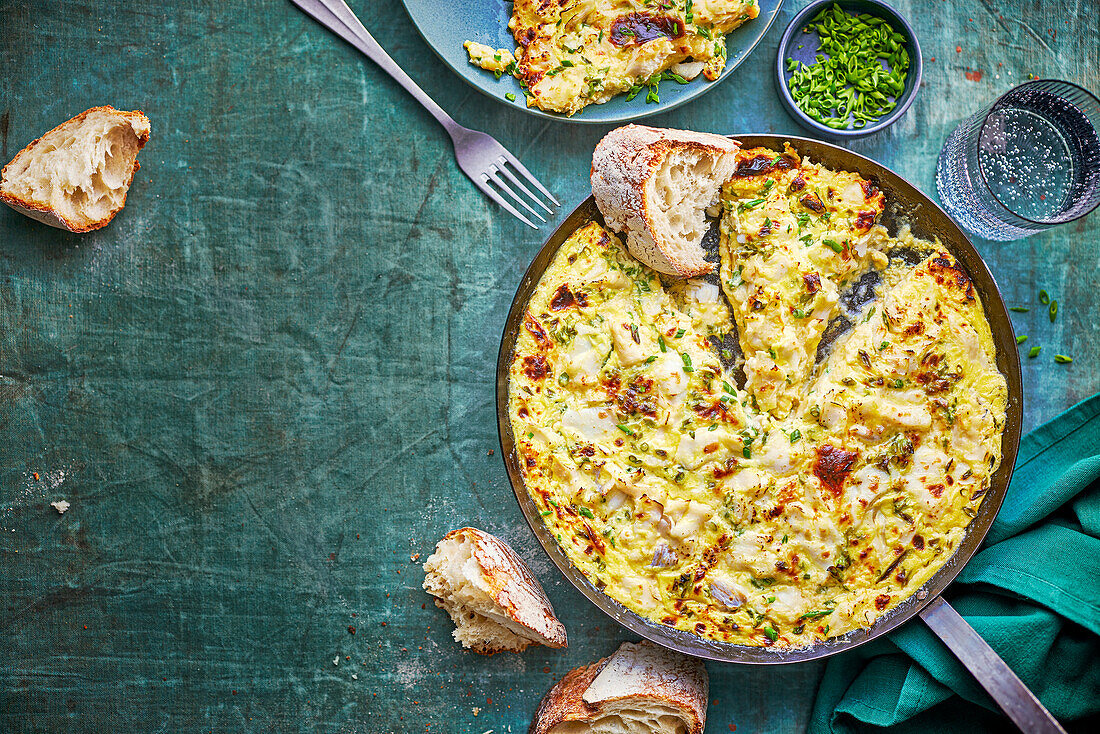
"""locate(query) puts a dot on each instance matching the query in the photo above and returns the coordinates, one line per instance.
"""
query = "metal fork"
(485, 161)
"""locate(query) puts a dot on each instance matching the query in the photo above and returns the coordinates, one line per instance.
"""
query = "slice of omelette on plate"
(571, 53)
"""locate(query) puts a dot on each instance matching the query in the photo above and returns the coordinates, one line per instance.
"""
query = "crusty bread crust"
(510, 584)
(624, 161)
(43, 213)
(565, 701)
(636, 674)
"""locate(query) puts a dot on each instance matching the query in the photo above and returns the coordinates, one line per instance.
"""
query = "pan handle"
(992, 673)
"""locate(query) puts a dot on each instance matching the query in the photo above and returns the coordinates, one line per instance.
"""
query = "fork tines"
(501, 166)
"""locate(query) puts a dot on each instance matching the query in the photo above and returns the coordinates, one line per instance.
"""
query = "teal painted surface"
(269, 382)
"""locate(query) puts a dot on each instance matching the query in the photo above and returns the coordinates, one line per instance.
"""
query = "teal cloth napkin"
(1032, 591)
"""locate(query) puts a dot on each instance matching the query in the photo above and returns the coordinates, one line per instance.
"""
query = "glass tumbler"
(1025, 163)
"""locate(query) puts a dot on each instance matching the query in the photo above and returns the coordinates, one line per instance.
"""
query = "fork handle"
(339, 18)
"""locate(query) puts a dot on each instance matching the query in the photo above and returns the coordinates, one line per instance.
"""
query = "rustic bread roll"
(640, 689)
(76, 176)
(655, 185)
(491, 595)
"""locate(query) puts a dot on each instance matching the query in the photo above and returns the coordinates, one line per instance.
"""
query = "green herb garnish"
(817, 614)
(847, 85)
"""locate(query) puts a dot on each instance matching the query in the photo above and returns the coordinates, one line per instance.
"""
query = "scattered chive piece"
(625, 429)
(661, 343)
(1053, 310)
(848, 85)
(1019, 309)
(833, 245)
(679, 333)
(771, 633)
(818, 614)
(1021, 339)
(586, 512)
(510, 97)
(795, 435)
(545, 513)
(687, 362)
(1062, 359)
(1034, 352)
(1044, 297)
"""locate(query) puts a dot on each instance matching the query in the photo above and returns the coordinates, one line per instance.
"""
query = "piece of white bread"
(640, 689)
(76, 176)
(655, 185)
(491, 595)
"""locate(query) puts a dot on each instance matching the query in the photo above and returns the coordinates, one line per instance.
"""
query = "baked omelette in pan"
(786, 496)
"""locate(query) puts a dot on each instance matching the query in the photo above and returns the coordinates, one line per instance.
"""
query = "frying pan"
(904, 203)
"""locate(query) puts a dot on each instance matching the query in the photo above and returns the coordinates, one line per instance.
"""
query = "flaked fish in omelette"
(815, 497)
(571, 53)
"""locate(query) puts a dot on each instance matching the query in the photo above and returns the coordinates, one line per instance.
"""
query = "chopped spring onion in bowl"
(858, 74)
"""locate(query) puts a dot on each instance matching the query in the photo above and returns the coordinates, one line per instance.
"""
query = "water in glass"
(1028, 162)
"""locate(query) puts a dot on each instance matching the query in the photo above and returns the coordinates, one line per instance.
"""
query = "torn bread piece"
(655, 185)
(491, 595)
(641, 688)
(76, 176)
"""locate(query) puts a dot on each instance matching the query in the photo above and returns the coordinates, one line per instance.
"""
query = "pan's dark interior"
(905, 204)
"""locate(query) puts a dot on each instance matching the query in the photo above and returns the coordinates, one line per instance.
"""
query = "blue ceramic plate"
(447, 24)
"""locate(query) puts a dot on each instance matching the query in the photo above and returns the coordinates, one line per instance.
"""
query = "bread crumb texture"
(655, 185)
(640, 689)
(490, 594)
(76, 176)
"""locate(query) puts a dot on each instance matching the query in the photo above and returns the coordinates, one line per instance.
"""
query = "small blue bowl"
(793, 37)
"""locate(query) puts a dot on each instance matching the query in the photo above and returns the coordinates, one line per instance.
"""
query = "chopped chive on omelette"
(859, 74)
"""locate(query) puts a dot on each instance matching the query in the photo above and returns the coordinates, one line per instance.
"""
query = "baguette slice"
(76, 176)
(655, 185)
(640, 689)
(491, 595)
